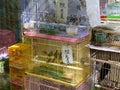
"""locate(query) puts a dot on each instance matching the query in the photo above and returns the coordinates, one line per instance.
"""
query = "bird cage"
(106, 64)
(35, 83)
(58, 31)
(106, 35)
(60, 61)
(19, 55)
(112, 9)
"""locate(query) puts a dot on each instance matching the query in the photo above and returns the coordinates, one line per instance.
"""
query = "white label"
(67, 55)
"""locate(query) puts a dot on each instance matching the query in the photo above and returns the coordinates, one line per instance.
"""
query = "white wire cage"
(106, 71)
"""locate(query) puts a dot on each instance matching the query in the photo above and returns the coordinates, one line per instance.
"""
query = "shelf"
(65, 39)
(104, 48)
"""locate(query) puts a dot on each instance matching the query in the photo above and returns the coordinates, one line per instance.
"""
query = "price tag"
(67, 55)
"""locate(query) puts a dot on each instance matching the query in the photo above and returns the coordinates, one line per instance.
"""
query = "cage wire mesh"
(106, 69)
(10, 17)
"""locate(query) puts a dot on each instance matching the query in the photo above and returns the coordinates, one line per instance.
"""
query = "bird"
(50, 56)
(104, 70)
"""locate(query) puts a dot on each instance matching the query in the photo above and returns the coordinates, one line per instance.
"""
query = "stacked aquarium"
(57, 31)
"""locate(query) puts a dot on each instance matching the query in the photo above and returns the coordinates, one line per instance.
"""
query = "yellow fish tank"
(59, 61)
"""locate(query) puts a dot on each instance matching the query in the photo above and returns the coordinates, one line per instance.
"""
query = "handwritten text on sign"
(67, 55)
